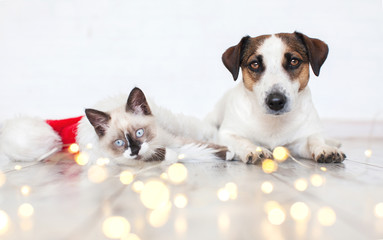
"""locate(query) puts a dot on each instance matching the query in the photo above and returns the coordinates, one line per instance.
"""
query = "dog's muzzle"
(276, 101)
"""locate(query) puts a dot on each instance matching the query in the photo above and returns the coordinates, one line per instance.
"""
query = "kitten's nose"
(276, 101)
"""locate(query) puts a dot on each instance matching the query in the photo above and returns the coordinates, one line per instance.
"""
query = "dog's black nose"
(276, 101)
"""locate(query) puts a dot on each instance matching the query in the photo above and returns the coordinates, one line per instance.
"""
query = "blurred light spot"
(103, 161)
(73, 148)
(316, 180)
(326, 216)
(299, 211)
(115, 227)
(379, 210)
(159, 216)
(155, 194)
(232, 189)
(301, 184)
(223, 222)
(181, 156)
(180, 225)
(258, 149)
(126, 177)
(3, 178)
(138, 186)
(276, 216)
(18, 167)
(81, 158)
(269, 166)
(25, 210)
(25, 190)
(269, 205)
(130, 236)
(97, 174)
(267, 187)
(89, 146)
(180, 201)
(323, 169)
(280, 154)
(177, 173)
(164, 176)
(223, 194)
(368, 153)
(4, 222)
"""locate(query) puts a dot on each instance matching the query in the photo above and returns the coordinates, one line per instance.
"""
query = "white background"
(59, 56)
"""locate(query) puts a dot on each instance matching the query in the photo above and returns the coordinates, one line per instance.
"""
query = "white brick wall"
(59, 56)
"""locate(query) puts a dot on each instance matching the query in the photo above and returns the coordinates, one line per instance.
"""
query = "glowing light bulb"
(267, 187)
(379, 210)
(159, 216)
(177, 173)
(316, 180)
(223, 194)
(280, 154)
(97, 174)
(25, 210)
(269, 166)
(115, 227)
(180, 201)
(4, 222)
(301, 184)
(3, 178)
(126, 177)
(155, 194)
(299, 211)
(81, 158)
(25, 190)
(368, 153)
(232, 189)
(276, 216)
(138, 186)
(326, 216)
(73, 148)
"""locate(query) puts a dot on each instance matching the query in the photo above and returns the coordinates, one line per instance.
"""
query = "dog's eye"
(254, 65)
(294, 62)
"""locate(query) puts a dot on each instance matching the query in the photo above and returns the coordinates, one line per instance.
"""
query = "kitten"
(135, 130)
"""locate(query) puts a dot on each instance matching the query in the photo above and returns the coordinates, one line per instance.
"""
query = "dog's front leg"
(244, 149)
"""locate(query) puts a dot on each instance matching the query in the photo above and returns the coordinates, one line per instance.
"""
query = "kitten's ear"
(137, 103)
(99, 120)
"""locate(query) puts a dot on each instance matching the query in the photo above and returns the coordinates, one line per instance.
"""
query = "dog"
(272, 106)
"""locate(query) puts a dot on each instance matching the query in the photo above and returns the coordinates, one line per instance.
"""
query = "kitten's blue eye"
(139, 132)
(119, 143)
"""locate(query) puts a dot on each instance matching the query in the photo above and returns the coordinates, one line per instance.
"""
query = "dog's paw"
(257, 155)
(328, 154)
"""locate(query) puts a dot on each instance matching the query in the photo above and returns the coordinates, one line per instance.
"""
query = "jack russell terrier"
(272, 106)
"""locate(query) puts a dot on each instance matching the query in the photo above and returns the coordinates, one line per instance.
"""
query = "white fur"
(27, 139)
(243, 119)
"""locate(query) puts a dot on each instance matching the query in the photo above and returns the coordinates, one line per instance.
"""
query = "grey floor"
(69, 201)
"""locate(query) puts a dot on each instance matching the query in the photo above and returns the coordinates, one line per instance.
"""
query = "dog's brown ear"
(317, 51)
(232, 57)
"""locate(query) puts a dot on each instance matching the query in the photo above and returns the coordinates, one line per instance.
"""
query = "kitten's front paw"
(327, 154)
(257, 155)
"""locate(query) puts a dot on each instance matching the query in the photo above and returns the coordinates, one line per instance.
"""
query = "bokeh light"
(326, 216)
(324, 169)
(368, 153)
(269, 205)
(137, 186)
(177, 173)
(25, 190)
(126, 177)
(232, 189)
(81, 158)
(103, 161)
(25, 210)
(164, 176)
(223, 194)
(317, 180)
(115, 227)
(97, 174)
(280, 154)
(267, 187)
(18, 167)
(130, 236)
(4, 222)
(299, 211)
(89, 146)
(301, 184)
(269, 166)
(180, 201)
(378, 210)
(276, 216)
(158, 217)
(155, 194)
(181, 156)
(73, 148)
